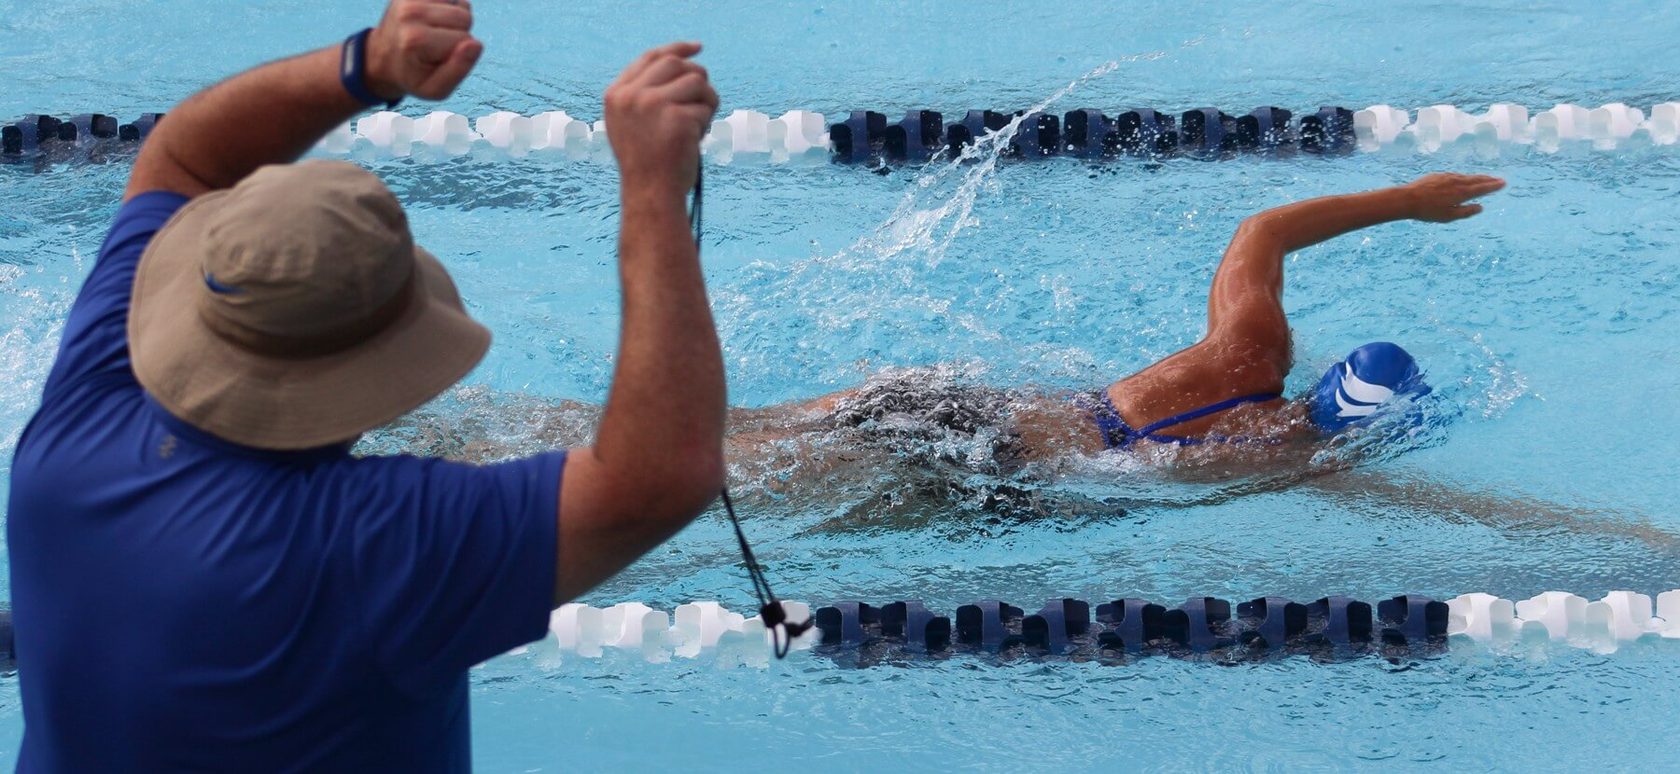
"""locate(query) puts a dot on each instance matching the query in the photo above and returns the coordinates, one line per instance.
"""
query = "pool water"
(1547, 326)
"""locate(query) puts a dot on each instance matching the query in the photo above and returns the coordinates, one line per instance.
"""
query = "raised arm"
(657, 461)
(1246, 301)
(274, 113)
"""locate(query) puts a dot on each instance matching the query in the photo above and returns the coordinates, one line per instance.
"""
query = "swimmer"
(910, 443)
(1222, 396)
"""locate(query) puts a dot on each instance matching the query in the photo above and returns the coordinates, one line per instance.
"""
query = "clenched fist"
(657, 112)
(423, 48)
(1441, 197)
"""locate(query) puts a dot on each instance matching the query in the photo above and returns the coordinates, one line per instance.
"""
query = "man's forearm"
(267, 115)
(274, 113)
(1307, 223)
(665, 413)
(657, 460)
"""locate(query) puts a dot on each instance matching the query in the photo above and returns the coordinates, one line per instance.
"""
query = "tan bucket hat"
(294, 310)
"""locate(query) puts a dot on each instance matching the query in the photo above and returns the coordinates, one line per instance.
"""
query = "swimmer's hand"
(657, 112)
(422, 48)
(1441, 197)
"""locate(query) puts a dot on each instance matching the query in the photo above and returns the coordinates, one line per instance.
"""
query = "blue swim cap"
(1352, 390)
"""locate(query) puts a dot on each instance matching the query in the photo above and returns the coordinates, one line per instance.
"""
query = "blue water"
(1548, 326)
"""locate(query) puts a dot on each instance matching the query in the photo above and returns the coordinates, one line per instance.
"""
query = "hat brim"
(271, 402)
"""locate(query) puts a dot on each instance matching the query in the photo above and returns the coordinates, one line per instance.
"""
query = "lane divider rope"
(869, 138)
(1331, 628)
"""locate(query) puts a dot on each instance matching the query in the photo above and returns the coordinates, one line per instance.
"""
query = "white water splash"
(1507, 384)
(915, 237)
(1503, 384)
(932, 214)
(29, 346)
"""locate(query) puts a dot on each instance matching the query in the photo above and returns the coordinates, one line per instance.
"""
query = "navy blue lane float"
(1333, 628)
(868, 137)
(34, 134)
(975, 124)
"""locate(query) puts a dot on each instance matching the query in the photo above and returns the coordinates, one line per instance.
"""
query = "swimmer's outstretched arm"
(274, 113)
(1246, 300)
(1501, 511)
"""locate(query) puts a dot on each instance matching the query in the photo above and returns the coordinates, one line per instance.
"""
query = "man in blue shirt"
(203, 578)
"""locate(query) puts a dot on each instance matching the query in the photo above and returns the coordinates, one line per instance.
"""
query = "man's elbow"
(697, 483)
(686, 486)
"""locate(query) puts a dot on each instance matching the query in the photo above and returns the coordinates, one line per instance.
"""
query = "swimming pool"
(1548, 324)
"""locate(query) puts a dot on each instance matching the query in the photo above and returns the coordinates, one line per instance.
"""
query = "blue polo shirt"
(185, 603)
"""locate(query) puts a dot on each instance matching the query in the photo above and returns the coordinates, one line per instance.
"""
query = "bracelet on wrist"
(352, 70)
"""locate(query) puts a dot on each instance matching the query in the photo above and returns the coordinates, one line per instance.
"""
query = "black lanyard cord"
(770, 610)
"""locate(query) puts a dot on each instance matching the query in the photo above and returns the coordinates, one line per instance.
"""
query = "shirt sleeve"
(95, 338)
(455, 563)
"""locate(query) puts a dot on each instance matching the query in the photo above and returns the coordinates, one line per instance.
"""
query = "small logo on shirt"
(217, 287)
(167, 448)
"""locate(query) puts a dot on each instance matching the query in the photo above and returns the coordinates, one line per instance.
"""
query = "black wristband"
(352, 70)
